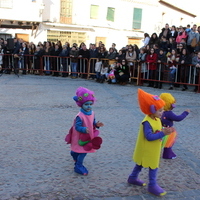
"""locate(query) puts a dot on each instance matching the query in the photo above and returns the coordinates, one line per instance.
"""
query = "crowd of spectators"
(173, 46)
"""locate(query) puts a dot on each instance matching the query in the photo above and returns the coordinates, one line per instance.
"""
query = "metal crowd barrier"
(92, 62)
(43, 64)
(57, 64)
(18, 62)
(185, 74)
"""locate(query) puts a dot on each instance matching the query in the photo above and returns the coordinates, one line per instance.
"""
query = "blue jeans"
(97, 75)
(47, 64)
(172, 75)
(74, 69)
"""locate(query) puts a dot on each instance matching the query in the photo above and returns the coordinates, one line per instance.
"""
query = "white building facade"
(110, 21)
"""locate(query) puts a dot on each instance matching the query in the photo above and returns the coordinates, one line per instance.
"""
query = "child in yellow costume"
(167, 119)
(148, 145)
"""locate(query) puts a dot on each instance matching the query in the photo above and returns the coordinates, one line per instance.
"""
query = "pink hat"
(83, 95)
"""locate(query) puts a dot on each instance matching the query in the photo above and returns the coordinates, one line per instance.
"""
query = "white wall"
(123, 13)
(152, 19)
(23, 10)
(190, 6)
(117, 31)
(51, 10)
(173, 17)
(40, 36)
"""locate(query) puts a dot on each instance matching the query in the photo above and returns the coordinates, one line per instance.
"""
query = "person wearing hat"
(83, 135)
(148, 146)
(167, 119)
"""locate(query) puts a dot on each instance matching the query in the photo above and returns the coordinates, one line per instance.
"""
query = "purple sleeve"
(148, 132)
(173, 117)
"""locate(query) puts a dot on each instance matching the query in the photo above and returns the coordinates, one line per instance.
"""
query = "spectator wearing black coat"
(56, 60)
(102, 53)
(39, 52)
(111, 54)
(49, 52)
(73, 54)
(23, 57)
(161, 62)
(83, 63)
(93, 55)
(166, 32)
(93, 51)
(164, 44)
(171, 44)
(122, 73)
(174, 33)
(120, 56)
(15, 52)
(6, 58)
(64, 60)
(154, 40)
(196, 69)
(184, 61)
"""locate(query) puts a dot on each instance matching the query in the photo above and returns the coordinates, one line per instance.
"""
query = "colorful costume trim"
(169, 140)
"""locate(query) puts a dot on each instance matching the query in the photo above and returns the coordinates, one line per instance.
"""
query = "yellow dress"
(147, 153)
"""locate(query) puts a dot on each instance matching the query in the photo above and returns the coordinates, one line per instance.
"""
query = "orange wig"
(149, 103)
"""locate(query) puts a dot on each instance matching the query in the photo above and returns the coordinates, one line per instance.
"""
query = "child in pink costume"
(83, 135)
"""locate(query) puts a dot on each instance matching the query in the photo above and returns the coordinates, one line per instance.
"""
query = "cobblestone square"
(35, 164)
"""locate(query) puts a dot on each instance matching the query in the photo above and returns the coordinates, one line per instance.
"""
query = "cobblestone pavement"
(35, 164)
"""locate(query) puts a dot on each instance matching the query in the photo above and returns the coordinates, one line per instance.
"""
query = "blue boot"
(79, 168)
(153, 188)
(133, 177)
(168, 153)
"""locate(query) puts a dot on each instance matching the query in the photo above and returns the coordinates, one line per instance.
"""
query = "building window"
(137, 18)
(6, 3)
(5, 36)
(110, 14)
(94, 12)
(66, 36)
(66, 11)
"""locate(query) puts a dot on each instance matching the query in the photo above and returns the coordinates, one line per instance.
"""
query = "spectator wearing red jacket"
(182, 34)
(151, 63)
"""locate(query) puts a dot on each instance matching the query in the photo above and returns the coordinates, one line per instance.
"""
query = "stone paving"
(35, 164)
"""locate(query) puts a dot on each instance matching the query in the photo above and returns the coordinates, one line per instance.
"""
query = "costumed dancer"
(148, 145)
(83, 135)
(167, 120)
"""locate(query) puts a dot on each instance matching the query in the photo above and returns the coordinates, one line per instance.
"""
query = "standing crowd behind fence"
(171, 57)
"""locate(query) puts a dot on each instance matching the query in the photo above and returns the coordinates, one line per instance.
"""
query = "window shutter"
(110, 14)
(137, 18)
(94, 12)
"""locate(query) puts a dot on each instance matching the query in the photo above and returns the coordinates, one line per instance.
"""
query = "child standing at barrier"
(83, 135)
(148, 145)
(172, 60)
(103, 72)
(98, 66)
(168, 117)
